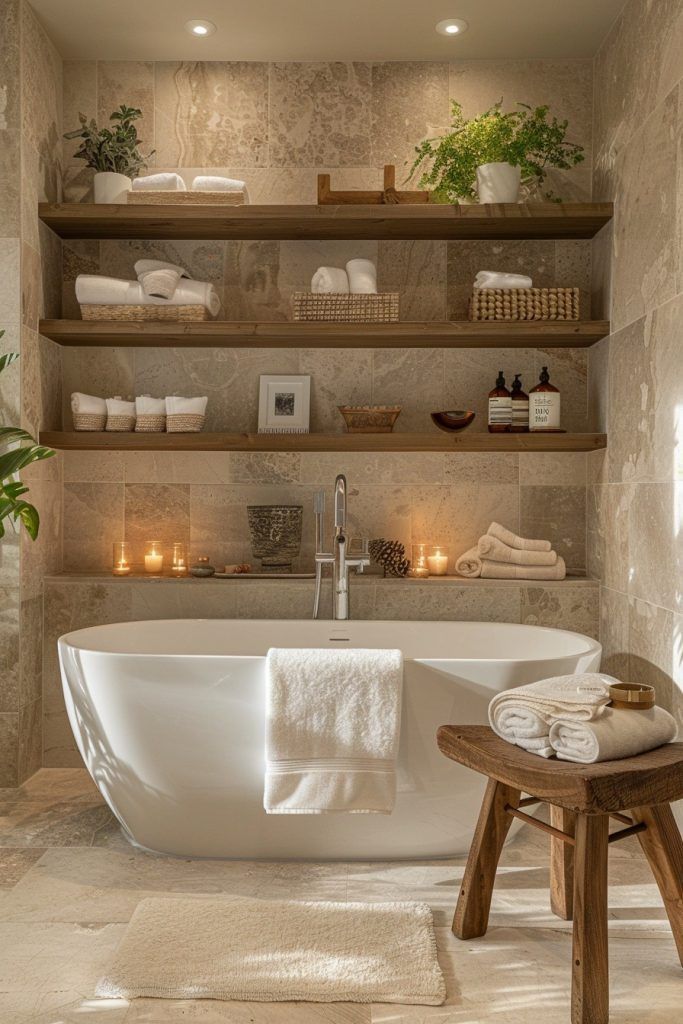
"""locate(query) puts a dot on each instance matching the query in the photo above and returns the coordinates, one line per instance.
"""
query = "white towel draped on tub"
(615, 733)
(332, 730)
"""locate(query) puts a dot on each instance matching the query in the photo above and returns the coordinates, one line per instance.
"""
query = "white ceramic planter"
(498, 183)
(110, 187)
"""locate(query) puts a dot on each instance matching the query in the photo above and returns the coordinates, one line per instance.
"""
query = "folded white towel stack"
(91, 289)
(330, 281)
(159, 182)
(501, 554)
(614, 734)
(120, 414)
(523, 715)
(362, 277)
(216, 183)
(88, 411)
(332, 730)
(150, 414)
(493, 279)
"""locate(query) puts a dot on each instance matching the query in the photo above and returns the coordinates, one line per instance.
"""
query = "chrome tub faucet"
(344, 555)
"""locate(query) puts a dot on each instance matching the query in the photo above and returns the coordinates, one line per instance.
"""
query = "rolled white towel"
(493, 279)
(362, 277)
(330, 280)
(87, 405)
(144, 266)
(92, 289)
(216, 183)
(496, 551)
(469, 563)
(161, 182)
(159, 283)
(616, 733)
(513, 540)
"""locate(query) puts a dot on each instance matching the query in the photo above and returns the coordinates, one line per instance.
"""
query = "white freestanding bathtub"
(169, 719)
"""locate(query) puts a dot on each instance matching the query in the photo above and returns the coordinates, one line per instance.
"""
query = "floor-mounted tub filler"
(169, 719)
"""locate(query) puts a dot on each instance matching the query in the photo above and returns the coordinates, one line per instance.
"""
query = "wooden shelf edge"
(464, 442)
(424, 220)
(299, 334)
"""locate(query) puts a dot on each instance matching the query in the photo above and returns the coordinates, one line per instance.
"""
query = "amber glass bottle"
(544, 405)
(520, 407)
(500, 407)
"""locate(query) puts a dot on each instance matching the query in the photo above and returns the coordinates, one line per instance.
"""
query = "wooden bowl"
(456, 419)
(370, 419)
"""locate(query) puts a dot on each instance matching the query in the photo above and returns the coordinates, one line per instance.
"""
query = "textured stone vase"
(275, 535)
(498, 183)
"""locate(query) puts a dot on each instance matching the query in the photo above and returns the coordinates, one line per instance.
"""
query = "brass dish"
(632, 696)
(451, 420)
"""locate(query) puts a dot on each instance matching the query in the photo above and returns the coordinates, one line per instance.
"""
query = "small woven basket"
(173, 197)
(184, 423)
(120, 424)
(524, 304)
(90, 421)
(152, 312)
(350, 308)
(149, 423)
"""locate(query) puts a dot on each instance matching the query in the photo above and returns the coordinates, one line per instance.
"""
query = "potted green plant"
(17, 450)
(489, 157)
(112, 152)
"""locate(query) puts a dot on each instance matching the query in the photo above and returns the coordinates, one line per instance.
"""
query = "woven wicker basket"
(524, 304)
(349, 308)
(150, 423)
(172, 197)
(172, 313)
(120, 424)
(184, 423)
(90, 421)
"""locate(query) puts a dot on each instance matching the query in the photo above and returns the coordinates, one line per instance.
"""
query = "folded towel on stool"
(614, 734)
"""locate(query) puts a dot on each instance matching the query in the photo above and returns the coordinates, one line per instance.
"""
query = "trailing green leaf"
(526, 138)
(111, 149)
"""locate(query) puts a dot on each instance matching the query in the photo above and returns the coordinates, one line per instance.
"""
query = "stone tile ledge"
(368, 579)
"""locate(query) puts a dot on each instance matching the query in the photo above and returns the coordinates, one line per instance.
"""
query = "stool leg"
(663, 847)
(590, 981)
(562, 864)
(472, 912)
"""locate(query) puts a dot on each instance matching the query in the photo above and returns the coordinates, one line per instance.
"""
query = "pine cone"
(390, 554)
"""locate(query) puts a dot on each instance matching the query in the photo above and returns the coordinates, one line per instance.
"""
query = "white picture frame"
(284, 403)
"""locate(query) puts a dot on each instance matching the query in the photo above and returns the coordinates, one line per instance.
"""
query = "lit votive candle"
(419, 569)
(121, 560)
(178, 560)
(437, 560)
(154, 558)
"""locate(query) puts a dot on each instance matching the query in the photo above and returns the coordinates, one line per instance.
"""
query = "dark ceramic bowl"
(453, 420)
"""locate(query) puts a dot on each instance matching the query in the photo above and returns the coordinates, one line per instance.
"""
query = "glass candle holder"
(121, 558)
(437, 560)
(178, 559)
(154, 557)
(419, 568)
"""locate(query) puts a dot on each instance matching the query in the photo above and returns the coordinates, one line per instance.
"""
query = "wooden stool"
(582, 800)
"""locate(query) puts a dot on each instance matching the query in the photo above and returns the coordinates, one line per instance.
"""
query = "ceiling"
(325, 29)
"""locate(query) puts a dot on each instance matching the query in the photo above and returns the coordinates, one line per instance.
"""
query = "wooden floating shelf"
(463, 442)
(424, 220)
(291, 334)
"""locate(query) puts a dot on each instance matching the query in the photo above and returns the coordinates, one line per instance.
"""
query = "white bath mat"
(218, 948)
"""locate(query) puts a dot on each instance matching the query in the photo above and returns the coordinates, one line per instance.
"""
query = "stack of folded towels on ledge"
(145, 414)
(158, 284)
(569, 717)
(359, 278)
(503, 555)
(169, 181)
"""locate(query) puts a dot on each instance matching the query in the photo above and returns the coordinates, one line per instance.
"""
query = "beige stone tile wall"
(635, 497)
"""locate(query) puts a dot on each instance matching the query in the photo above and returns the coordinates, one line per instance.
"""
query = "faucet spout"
(340, 558)
(340, 503)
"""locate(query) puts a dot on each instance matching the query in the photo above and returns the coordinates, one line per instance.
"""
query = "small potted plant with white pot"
(112, 152)
(491, 158)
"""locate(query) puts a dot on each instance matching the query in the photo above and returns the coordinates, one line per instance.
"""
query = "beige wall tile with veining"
(41, 383)
(413, 379)
(251, 282)
(373, 467)
(44, 555)
(481, 468)
(156, 512)
(409, 103)
(652, 657)
(607, 533)
(403, 600)
(338, 377)
(41, 82)
(656, 544)
(557, 514)
(10, 691)
(202, 259)
(562, 469)
(79, 97)
(94, 467)
(576, 608)
(265, 467)
(93, 520)
(129, 82)
(10, 294)
(30, 747)
(31, 649)
(9, 748)
(211, 113)
(176, 467)
(417, 270)
(320, 113)
(614, 633)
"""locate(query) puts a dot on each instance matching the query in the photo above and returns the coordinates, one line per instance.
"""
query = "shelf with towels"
(466, 441)
(293, 222)
(308, 334)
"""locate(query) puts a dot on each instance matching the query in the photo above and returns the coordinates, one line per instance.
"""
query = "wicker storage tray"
(349, 308)
(524, 304)
(172, 313)
(175, 197)
(184, 423)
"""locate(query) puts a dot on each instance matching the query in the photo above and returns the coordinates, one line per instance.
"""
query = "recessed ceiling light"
(200, 28)
(452, 27)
